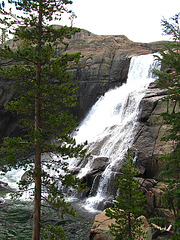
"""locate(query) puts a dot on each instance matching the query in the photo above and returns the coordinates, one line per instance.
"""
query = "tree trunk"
(37, 171)
(37, 196)
(129, 225)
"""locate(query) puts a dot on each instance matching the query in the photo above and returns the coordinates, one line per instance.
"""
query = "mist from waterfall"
(110, 124)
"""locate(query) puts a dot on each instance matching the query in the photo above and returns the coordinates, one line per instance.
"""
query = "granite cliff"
(104, 65)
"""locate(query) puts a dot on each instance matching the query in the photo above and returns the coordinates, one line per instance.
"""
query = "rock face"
(147, 145)
(104, 65)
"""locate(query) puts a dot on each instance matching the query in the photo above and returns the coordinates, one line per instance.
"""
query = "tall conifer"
(169, 78)
(45, 92)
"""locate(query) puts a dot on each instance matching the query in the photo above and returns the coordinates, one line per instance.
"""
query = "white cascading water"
(109, 127)
(110, 124)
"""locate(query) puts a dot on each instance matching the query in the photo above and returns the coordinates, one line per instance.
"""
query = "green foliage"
(50, 232)
(128, 205)
(169, 78)
(45, 93)
(163, 222)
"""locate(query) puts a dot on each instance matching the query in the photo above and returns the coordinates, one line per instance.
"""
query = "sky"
(139, 20)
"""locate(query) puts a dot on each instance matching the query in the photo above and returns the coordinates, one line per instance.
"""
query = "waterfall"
(109, 129)
(110, 124)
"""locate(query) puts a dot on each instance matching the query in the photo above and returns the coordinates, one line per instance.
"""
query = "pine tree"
(128, 205)
(169, 78)
(45, 92)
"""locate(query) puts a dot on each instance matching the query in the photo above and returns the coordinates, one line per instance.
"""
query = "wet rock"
(108, 203)
(83, 193)
(105, 203)
(25, 175)
(1, 201)
(92, 178)
(89, 178)
(100, 163)
(95, 185)
(3, 185)
(75, 171)
(91, 181)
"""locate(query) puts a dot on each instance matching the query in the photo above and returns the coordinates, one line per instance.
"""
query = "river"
(16, 220)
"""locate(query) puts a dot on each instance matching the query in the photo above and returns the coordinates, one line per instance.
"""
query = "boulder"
(100, 229)
(146, 183)
(150, 200)
(91, 179)
(158, 191)
(105, 203)
(154, 204)
(161, 233)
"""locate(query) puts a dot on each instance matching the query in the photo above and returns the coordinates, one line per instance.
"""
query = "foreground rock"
(100, 229)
